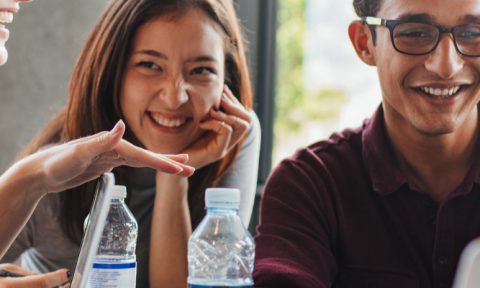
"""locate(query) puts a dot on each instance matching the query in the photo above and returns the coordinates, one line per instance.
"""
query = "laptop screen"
(468, 271)
(93, 233)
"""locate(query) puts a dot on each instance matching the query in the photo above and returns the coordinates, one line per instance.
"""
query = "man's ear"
(361, 38)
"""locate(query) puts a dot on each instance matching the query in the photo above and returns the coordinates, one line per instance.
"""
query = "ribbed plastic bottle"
(221, 251)
(115, 265)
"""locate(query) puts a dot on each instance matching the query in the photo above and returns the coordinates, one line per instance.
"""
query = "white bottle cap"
(226, 198)
(119, 191)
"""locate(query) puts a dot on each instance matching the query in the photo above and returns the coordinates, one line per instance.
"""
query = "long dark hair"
(95, 88)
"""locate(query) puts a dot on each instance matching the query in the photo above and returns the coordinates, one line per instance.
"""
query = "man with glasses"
(394, 202)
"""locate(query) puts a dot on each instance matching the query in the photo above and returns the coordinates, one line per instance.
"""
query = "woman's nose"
(175, 94)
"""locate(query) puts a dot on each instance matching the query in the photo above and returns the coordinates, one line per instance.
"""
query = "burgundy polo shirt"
(340, 214)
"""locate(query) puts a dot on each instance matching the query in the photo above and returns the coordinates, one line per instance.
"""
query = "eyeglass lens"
(421, 38)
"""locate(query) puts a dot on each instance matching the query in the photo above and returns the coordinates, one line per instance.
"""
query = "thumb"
(106, 141)
(48, 280)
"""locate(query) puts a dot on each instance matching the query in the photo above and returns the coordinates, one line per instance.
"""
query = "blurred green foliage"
(293, 103)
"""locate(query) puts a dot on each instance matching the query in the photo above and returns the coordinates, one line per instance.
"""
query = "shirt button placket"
(442, 260)
(443, 246)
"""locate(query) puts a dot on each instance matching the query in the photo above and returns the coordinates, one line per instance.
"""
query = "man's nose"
(445, 61)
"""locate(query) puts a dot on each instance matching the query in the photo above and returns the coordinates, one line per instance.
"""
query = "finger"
(102, 142)
(181, 158)
(236, 122)
(235, 108)
(48, 280)
(239, 126)
(117, 128)
(230, 96)
(219, 138)
(106, 163)
(16, 269)
(138, 157)
(218, 127)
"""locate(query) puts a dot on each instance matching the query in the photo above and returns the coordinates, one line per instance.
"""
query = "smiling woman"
(170, 88)
(176, 72)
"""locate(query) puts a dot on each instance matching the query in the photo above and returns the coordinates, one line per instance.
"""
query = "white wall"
(45, 39)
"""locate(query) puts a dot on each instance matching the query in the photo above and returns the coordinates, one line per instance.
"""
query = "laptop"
(468, 271)
(93, 233)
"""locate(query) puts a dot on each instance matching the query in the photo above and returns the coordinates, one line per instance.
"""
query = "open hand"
(225, 129)
(73, 163)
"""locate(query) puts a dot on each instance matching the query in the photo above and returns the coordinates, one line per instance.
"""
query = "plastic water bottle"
(221, 250)
(115, 265)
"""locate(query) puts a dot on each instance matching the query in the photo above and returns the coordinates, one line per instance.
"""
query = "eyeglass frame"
(391, 24)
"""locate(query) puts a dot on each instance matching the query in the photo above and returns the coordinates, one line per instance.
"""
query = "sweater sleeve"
(23, 242)
(295, 237)
(242, 174)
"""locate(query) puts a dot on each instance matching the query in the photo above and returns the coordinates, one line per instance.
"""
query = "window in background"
(321, 85)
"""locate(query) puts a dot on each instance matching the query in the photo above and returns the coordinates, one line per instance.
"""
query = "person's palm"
(74, 163)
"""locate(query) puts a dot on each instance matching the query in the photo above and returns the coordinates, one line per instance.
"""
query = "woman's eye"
(203, 70)
(150, 65)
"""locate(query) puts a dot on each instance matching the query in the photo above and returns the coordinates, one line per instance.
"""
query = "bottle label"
(216, 286)
(113, 275)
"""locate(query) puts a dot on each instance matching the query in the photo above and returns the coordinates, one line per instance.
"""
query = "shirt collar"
(381, 164)
(379, 157)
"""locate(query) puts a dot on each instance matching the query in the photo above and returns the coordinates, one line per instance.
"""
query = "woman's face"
(7, 9)
(174, 76)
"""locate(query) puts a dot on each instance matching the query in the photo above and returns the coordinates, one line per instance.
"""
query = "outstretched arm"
(31, 279)
(68, 165)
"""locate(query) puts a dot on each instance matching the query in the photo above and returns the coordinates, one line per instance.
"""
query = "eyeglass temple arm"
(375, 21)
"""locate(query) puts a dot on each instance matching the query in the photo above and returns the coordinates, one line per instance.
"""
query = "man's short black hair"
(365, 8)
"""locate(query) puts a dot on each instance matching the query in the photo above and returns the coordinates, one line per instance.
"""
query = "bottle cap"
(119, 191)
(226, 198)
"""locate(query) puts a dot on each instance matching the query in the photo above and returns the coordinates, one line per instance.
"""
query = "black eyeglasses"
(417, 38)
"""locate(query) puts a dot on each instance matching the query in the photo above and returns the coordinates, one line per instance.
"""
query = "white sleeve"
(242, 174)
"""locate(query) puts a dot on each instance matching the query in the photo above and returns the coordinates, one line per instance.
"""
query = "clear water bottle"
(115, 265)
(221, 250)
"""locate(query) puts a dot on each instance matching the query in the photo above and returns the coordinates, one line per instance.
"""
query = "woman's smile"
(168, 123)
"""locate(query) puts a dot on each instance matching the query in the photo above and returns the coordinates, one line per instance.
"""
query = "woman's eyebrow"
(204, 58)
(151, 52)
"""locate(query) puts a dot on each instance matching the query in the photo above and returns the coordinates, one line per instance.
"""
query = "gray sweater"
(43, 247)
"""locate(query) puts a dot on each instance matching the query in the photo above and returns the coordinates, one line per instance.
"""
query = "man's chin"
(3, 55)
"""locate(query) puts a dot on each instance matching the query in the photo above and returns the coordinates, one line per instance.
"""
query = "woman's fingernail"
(69, 274)
(116, 129)
(179, 170)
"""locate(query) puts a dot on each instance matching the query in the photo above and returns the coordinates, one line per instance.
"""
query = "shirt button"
(442, 260)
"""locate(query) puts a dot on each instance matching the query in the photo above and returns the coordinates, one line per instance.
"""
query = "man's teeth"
(6, 17)
(437, 92)
(170, 123)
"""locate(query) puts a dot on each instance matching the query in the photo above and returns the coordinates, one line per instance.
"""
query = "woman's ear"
(361, 38)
